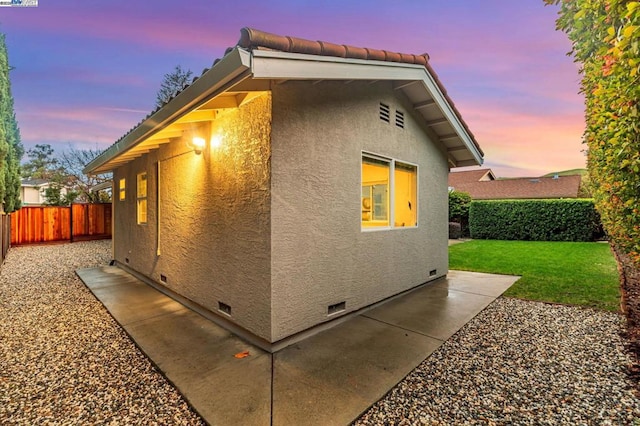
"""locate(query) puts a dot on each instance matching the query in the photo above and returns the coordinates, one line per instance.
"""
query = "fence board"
(40, 224)
(91, 220)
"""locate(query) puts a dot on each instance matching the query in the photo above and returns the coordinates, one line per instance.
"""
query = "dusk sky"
(86, 71)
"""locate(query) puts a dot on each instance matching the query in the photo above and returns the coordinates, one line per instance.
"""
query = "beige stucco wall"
(214, 217)
(320, 255)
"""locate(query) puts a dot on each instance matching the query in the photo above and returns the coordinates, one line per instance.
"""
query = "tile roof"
(255, 39)
(252, 39)
(522, 188)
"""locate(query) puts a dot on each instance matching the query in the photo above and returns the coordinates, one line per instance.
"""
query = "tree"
(72, 161)
(11, 150)
(42, 163)
(59, 195)
(172, 83)
(67, 183)
(605, 38)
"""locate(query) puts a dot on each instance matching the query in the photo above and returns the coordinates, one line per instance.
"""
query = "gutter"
(232, 65)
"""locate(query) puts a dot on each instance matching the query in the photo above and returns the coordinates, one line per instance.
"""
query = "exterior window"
(375, 191)
(389, 193)
(122, 186)
(405, 183)
(141, 196)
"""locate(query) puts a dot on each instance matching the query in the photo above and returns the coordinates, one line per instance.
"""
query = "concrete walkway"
(330, 378)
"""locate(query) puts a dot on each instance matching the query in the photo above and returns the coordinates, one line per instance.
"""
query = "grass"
(582, 274)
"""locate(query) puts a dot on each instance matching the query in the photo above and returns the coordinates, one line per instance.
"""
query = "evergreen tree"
(42, 163)
(11, 149)
(172, 83)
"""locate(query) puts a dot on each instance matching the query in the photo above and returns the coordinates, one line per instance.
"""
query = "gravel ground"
(64, 360)
(520, 363)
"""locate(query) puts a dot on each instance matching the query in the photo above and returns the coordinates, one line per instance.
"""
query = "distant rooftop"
(472, 183)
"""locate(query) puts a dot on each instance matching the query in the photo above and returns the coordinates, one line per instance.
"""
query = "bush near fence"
(534, 220)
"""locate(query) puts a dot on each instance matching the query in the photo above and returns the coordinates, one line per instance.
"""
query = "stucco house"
(32, 191)
(293, 183)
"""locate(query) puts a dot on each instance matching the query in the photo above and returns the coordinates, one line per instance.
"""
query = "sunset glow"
(87, 72)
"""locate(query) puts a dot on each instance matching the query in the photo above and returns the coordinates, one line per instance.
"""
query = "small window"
(389, 197)
(122, 189)
(142, 198)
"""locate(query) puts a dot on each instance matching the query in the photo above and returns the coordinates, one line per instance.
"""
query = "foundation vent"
(433, 272)
(385, 113)
(338, 307)
(400, 119)
(163, 278)
(224, 308)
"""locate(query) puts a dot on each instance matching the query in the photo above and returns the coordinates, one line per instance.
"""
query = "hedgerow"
(605, 36)
(534, 220)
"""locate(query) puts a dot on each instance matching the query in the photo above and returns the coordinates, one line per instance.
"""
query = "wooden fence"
(5, 235)
(40, 224)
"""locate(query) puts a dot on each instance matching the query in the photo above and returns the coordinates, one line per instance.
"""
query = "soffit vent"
(400, 119)
(385, 113)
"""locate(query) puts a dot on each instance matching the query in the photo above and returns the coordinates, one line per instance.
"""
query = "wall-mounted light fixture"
(198, 144)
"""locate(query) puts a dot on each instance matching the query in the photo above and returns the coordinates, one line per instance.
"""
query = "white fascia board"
(297, 66)
(277, 65)
(433, 88)
(231, 66)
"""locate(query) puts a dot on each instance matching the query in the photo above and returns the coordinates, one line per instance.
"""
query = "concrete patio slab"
(328, 378)
(335, 375)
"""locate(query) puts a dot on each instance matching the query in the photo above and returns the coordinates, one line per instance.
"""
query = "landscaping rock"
(521, 363)
(64, 360)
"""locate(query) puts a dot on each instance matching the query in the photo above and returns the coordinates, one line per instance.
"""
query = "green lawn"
(582, 274)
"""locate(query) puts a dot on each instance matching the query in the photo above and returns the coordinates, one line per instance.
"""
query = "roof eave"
(270, 64)
(231, 66)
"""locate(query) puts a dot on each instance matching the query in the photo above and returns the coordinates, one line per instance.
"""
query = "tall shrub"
(459, 203)
(11, 150)
(605, 36)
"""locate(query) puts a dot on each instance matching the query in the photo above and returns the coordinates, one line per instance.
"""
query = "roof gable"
(261, 58)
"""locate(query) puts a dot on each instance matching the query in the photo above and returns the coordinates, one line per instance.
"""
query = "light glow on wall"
(216, 141)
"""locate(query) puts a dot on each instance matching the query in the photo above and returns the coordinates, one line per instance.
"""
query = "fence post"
(71, 222)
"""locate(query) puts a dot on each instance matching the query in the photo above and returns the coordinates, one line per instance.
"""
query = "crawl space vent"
(338, 307)
(224, 308)
(400, 119)
(385, 113)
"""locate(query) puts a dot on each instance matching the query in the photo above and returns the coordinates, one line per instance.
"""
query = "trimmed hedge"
(534, 220)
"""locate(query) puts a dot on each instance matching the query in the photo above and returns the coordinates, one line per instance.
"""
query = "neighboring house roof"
(522, 188)
(458, 178)
(261, 57)
(34, 182)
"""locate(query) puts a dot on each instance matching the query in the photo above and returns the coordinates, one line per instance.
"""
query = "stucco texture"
(213, 213)
(270, 224)
(320, 255)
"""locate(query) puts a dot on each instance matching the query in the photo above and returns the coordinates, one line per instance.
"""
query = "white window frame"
(392, 205)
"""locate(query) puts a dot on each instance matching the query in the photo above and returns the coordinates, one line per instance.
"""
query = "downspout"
(158, 210)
